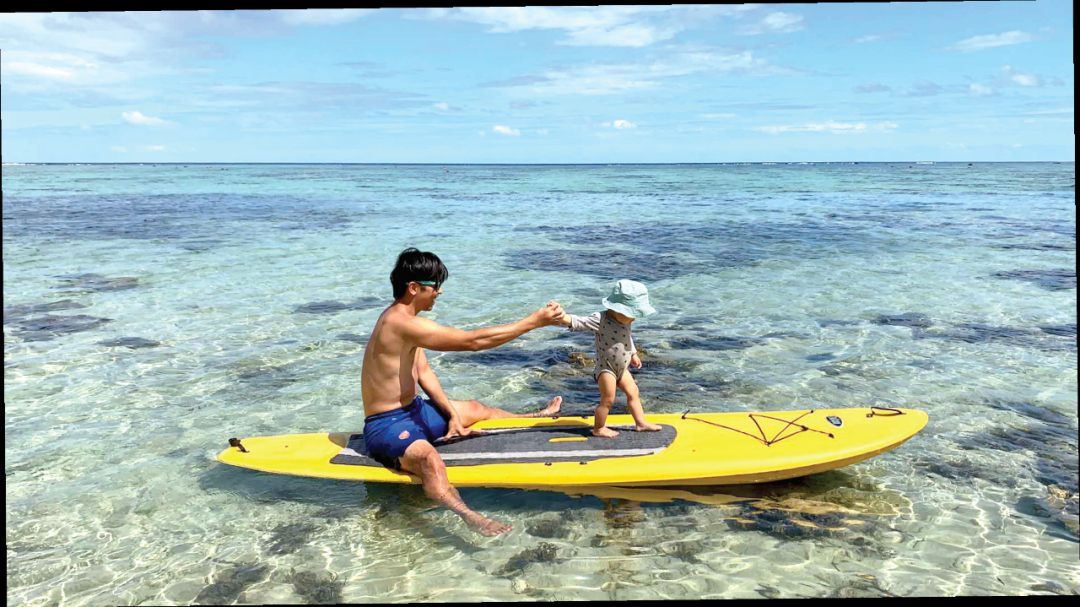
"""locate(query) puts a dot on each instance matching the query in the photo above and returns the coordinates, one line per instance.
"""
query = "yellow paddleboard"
(692, 449)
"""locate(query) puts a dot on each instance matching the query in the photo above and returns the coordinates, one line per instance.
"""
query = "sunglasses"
(429, 283)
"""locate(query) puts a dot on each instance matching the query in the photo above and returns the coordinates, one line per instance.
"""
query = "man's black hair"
(417, 265)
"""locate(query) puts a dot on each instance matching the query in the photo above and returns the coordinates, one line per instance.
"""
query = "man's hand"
(635, 361)
(454, 428)
(548, 315)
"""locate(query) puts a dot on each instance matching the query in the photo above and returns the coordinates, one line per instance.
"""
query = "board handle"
(235, 442)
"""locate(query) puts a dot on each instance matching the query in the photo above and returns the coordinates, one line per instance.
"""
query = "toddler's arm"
(583, 323)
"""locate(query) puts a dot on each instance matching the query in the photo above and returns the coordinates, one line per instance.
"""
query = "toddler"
(615, 351)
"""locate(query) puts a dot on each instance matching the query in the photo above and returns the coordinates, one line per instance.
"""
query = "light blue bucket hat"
(629, 298)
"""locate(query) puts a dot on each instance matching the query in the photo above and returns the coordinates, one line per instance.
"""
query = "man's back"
(388, 378)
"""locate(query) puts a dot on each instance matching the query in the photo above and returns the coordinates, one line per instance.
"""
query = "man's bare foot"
(647, 427)
(605, 432)
(553, 407)
(487, 526)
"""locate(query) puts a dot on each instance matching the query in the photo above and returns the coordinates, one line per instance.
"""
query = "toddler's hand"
(635, 361)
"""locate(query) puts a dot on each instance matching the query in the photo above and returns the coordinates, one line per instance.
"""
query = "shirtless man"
(400, 424)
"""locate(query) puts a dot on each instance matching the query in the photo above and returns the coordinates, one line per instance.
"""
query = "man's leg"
(472, 411)
(422, 459)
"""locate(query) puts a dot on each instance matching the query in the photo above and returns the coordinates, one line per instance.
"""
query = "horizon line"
(736, 162)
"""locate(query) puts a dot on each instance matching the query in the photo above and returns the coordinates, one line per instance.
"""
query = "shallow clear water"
(151, 312)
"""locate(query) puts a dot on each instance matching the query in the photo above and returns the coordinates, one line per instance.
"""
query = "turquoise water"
(151, 312)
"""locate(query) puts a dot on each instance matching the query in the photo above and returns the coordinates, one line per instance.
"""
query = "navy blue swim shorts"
(387, 435)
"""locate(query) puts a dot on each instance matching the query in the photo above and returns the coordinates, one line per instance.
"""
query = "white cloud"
(886, 126)
(774, 23)
(922, 88)
(442, 106)
(44, 71)
(623, 124)
(979, 43)
(981, 91)
(319, 16)
(155, 148)
(872, 87)
(138, 118)
(865, 39)
(542, 132)
(611, 78)
(618, 25)
(505, 130)
(1062, 111)
(482, 133)
(1021, 78)
(118, 148)
(832, 126)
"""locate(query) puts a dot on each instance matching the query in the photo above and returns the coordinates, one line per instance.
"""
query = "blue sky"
(963, 81)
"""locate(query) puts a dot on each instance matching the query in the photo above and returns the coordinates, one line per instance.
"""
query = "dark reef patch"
(977, 333)
(21, 311)
(1038, 247)
(672, 250)
(317, 588)
(130, 342)
(838, 323)
(290, 537)
(191, 221)
(548, 529)
(357, 339)
(542, 553)
(96, 283)
(909, 319)
(333, 307)
(1066, 330)
(1054, 280)
(204, 244)
(713, 343)
(229, 584)
(1050, 438)
(48, 327)
(605, 265)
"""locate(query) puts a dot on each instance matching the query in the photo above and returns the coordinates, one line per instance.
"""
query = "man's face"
(426, 296)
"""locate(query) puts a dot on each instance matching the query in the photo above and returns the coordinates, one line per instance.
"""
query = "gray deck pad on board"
(529, 445)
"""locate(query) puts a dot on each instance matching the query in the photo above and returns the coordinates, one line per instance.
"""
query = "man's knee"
(421, 457)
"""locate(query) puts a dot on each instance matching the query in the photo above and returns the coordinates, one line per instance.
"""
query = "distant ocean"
(153, 311)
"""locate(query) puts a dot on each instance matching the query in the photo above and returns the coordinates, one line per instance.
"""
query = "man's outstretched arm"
(426, 333)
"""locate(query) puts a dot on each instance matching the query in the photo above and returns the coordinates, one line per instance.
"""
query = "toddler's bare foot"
(605, 432)
(647, 427)
(487, 526)
(553, 407)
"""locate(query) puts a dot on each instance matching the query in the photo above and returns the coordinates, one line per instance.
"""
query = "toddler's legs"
(606, 381)
(633, 402)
